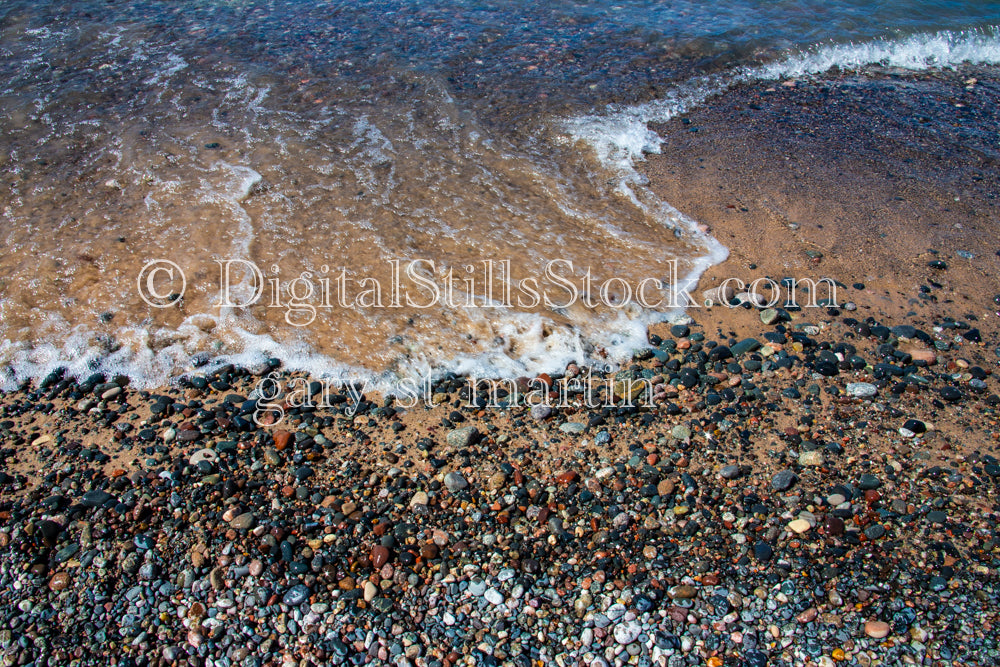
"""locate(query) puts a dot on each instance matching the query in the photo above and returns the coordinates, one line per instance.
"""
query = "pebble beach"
(820, 493)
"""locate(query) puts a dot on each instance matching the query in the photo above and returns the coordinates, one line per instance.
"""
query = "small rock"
(811, 459)
(573, 428)
(496, 481)
(877, 629)
(379, 556)
(861, 389)
(729, 472)
(541, 412)
(868, 482)
(281, 440)
(454, 481)
(462, 437)
(682, 592)
(799, 526)
(203, 455)
(665, 488)
(784, 480)
(59, 581)
(296, 595)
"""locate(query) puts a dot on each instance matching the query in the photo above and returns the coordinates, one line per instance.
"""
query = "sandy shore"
(819, 490)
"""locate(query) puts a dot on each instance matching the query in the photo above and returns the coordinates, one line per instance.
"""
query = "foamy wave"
(916, 52)
(538, 347)
(622, 136)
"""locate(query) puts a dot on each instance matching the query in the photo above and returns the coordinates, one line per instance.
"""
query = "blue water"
(508, 53)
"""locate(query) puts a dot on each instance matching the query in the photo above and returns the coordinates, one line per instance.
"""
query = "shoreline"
(817, 490)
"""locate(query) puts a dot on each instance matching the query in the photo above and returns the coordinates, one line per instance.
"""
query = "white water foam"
(916, 52)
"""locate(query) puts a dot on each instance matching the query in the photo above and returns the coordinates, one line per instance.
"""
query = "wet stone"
(296, 595)
(188, 435)
(59, 581)
(877, 629)
(379, 556)
(454, 481)
(937, 516)
(868, 482)
(874, 532)
(66, 553)
(861, 389)
(683, 592)
(833, 526)
(783, 480)
(729, 472)
(745, 345)
(95, 498)
(144, 542)
(951, 394)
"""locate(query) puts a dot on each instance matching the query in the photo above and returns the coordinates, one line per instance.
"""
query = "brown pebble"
(379, 556)
(281, 439)
(833, 525)
(568, 477)
(683, 592)
(59, 581)
(877, 629)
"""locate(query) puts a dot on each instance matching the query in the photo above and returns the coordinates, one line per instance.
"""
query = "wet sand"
(860, 178)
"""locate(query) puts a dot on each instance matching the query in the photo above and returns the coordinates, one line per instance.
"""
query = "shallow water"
(356, 141)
